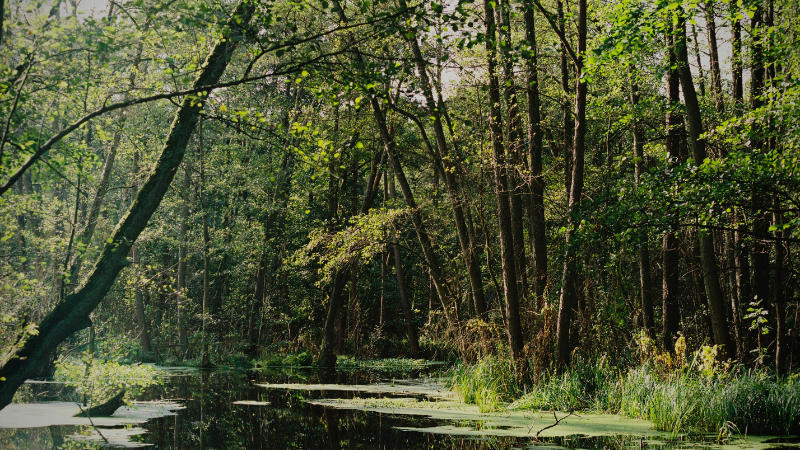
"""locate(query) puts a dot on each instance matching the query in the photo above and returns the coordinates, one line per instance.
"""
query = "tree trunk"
(205, 360)
(568, 299)
(779, 292)
(716, 74)
(736, 57)
(760, 251)
(514, 147)
(671, 245)
(72, 314)
(716, 301)
(700, 72)
(645, 287)
(183, 334)
(408, 313)
(453, 189)
(510, 285)
(327, 355)
(537, 219)
(567, 119)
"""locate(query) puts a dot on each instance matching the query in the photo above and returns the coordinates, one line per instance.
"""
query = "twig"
(533, 423)
(557, 422)
(91, 422)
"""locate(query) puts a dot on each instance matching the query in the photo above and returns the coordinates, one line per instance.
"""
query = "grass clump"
(489, 384)
(585, 387)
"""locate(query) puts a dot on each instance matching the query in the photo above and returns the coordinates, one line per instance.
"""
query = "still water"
(226, 409)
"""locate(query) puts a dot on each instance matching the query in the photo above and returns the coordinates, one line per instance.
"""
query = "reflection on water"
(212, 420)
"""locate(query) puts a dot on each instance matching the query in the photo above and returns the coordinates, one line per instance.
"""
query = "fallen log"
(105, 409)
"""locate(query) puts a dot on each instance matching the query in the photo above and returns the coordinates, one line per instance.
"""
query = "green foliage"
(300, 359)
(98, 380)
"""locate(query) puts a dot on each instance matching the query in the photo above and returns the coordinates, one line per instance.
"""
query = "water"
(284, 419)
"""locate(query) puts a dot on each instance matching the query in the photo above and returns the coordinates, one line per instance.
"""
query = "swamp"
(399, 224)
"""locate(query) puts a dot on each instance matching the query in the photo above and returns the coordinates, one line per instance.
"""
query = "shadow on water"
(282, 419)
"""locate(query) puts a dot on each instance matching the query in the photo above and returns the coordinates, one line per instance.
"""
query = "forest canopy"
(542, 179)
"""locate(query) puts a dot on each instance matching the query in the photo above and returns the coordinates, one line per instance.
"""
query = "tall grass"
(489, 384)
(678, 401)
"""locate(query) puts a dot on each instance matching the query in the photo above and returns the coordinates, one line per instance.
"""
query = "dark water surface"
(211, 420)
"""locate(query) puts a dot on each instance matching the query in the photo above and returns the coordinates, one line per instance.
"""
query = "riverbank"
(702, 396)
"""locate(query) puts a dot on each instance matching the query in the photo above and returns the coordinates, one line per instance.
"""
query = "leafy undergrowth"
(104, 379)
(703, 396)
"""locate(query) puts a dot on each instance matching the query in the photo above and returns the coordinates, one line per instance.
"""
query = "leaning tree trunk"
(72, 314)
(568, 299)
(708, 259)
(454, 195)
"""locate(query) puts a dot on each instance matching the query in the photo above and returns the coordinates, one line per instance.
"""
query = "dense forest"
(208, 181)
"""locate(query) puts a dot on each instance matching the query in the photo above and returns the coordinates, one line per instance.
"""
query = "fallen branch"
(557, 422)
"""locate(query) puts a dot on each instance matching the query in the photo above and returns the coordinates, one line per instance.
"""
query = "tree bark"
(537, 219)
(736, 58)
(670, 245)
(716, 301)
(645, 287)
(138, 295)
(779, 292)
(716, 74)
(567, 119)
(568, 298)
(468, 252)
(514, 147)
(405, 304)
(760, 251)
(183, 334)
(72, 314)
(510, 285)
(205, 360)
